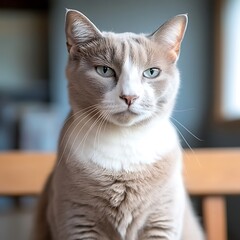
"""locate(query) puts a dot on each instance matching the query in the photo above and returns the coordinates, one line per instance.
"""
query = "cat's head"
(123, 78)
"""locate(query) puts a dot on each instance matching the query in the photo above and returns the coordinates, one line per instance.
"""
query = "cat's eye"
(151, 73)
(105, 71)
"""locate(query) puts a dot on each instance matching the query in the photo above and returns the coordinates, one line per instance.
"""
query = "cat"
(119, 169)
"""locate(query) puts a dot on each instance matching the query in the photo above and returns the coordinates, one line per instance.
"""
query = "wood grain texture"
(214, 217)
(206, 171)
(212, 171)
(24, 173)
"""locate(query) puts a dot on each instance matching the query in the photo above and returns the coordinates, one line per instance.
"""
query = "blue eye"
(105, 71)
(151, 73)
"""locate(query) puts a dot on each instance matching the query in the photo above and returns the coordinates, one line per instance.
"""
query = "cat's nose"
(129, 99)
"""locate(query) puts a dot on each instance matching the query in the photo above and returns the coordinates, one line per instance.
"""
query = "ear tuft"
(79, 29)
(171, 33)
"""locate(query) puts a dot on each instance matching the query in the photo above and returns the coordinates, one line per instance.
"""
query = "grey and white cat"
(119, 169)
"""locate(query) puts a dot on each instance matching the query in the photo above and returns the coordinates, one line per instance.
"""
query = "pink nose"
(129, 99)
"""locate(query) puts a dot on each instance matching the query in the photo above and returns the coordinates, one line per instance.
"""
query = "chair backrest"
(24, 173)
(213, 174)
(209, 173)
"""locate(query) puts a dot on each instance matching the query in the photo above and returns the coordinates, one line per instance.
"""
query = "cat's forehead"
(137, 47)
(114, 49)
(124, 35)
(127, 38)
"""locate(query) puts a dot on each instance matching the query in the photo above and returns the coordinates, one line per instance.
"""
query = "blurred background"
(33, 95)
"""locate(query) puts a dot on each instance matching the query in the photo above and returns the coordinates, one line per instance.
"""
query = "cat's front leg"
(166, 220)
(160, 230)
(78, 221)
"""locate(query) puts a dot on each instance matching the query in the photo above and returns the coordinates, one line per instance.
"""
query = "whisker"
(86, 134)
(83, 111)
(89, 112)
(186, 129)
(106, 116)
(183, 110)
(185, 140)
(102, 122)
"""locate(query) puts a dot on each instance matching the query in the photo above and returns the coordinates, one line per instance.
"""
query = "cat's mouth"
(127, 117)
(126, 112)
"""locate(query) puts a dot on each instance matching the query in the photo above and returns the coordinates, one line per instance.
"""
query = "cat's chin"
(127, 119)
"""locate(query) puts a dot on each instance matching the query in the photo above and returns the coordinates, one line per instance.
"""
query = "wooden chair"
(209, 173)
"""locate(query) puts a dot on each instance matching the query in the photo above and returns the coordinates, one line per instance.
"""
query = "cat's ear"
(79, 29)
(171, 34)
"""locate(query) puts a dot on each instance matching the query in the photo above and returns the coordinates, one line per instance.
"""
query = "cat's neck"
(120, 148)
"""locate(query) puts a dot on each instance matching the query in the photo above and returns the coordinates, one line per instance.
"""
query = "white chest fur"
(123, 148)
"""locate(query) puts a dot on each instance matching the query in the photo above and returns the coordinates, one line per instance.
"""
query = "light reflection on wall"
(231, 60)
